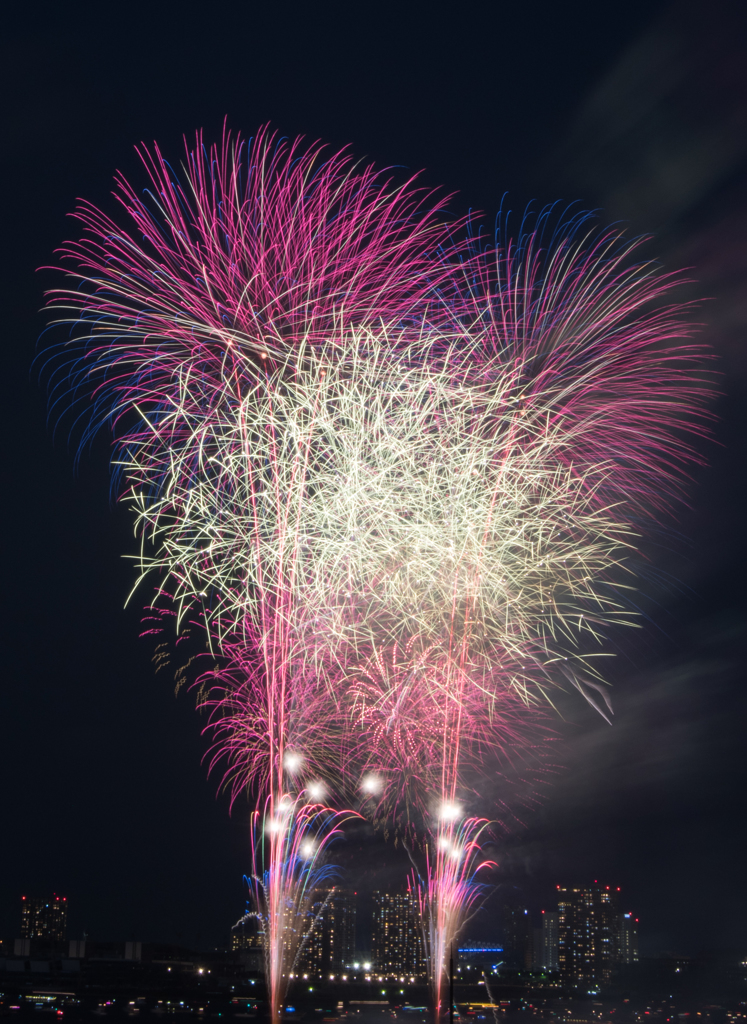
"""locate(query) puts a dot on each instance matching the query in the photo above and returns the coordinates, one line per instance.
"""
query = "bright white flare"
(292, 762)
(450, 812)
(316, 791)
(371, 784)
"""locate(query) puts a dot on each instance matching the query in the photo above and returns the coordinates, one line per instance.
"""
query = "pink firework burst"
(597, 349)
(248, 251)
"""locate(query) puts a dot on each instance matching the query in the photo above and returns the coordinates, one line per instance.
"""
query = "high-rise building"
(587, 936)
(546, 943)
(242, 941)
(247, 942)
(44, 918)
(627, 939)
(518, 944)
(398, 948)
(330, 946)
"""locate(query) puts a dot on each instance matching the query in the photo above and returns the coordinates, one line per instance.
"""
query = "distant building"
(518, 944)
(546, 943)
(587, 936)
(242, 941)
(44, 918)
(246, 941)
(398, 948)
(627, 939)
(330, 946)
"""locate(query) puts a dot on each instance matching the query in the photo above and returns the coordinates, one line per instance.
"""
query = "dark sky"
(639, 108)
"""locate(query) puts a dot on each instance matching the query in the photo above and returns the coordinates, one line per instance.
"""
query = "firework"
(291, 839)
(595, 343)
(377, 510)
(252, 258)
(449, 889)
(249, 251)
(397, 481)
(574, 437)
(406, 538)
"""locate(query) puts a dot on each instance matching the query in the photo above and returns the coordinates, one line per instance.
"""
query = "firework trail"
(448, 891)
(343, 536)
(445, 568)
(563, 432)
(294, 844)
(415, 535)
(251, 259)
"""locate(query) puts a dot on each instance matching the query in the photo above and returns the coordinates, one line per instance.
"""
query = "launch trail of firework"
(598, 398)
(291, 839)
(449, 890)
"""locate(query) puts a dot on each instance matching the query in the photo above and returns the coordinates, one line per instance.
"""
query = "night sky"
(636, 108)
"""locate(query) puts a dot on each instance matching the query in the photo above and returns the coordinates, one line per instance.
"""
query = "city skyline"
(93, 975)
(390, 937)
